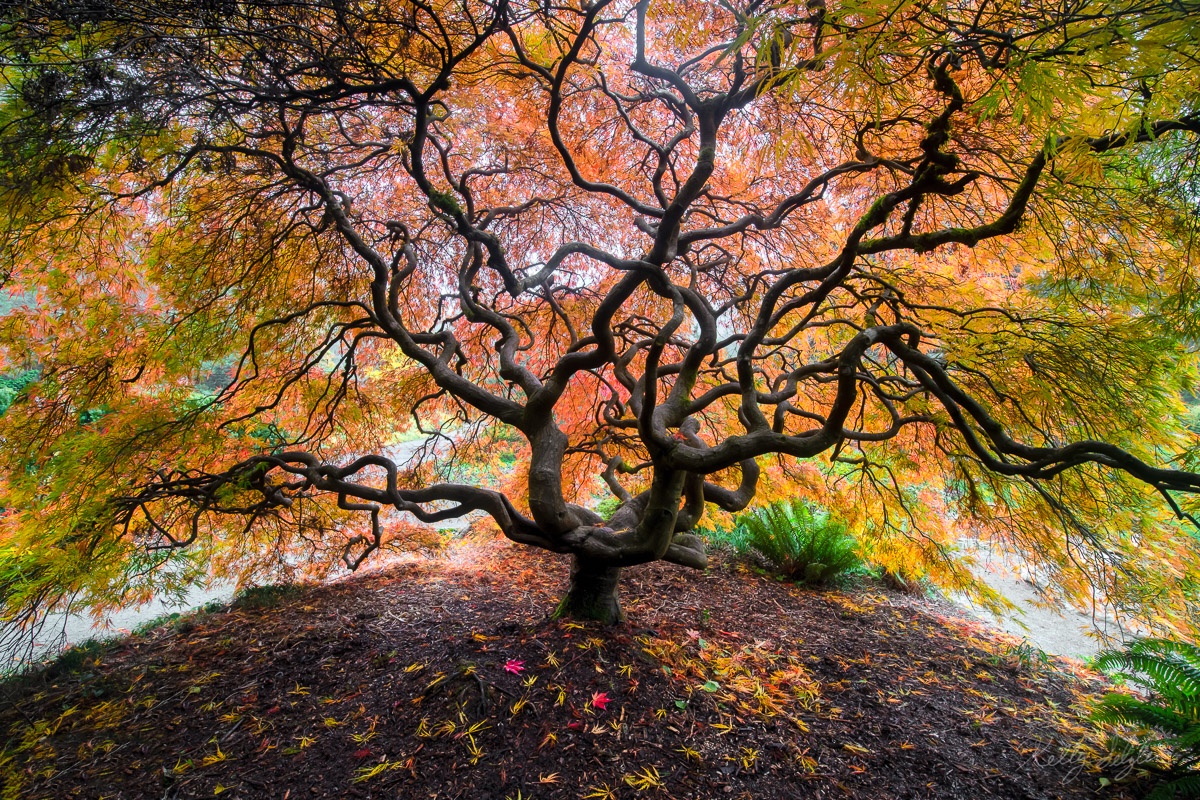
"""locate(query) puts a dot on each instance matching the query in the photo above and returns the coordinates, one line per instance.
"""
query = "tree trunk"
(592, 593)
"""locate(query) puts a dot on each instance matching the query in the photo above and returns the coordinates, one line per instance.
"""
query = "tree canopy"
(929, 263)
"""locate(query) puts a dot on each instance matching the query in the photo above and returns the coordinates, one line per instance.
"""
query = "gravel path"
(1059, 631)
(63, 630)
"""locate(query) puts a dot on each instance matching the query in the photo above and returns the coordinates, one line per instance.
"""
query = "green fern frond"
(1169, 719)
(1119, 709)
(1189, 739)
(1167, 667)
(799, 541)
(1177, 789)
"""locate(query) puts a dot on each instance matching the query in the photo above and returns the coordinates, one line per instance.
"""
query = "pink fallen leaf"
(515, 667)
(600, 700)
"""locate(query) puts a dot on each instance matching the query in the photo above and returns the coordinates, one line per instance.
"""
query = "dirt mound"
(446, 680)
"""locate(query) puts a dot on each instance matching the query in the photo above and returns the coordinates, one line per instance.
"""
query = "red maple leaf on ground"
(600, 700)
(515, 667)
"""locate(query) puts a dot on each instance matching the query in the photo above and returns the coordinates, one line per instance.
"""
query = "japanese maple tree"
(929, 263)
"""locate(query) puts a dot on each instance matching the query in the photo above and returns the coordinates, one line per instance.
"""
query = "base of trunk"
(592, 593)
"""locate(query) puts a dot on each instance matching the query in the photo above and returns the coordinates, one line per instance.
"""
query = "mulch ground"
(445, 679)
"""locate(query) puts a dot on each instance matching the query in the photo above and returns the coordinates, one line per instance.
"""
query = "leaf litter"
(446, 679)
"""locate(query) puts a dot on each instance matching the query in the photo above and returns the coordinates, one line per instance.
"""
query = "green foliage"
(800, 541)
(184, 621)
(74, 659)
(608, 506)
(730, 540)
(1191, 417)
(1164, 728)
(1025, 657)
(90, 415)
(158, 622)
(265, 596)
(179, 621)
(13, 384)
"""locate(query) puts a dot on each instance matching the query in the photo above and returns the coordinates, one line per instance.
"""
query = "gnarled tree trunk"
(592, 593)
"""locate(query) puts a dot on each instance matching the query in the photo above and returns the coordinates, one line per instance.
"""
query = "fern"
(1168, 720)
(799, 541)
(1188, 786)
(1171, 668)
(1120, 709)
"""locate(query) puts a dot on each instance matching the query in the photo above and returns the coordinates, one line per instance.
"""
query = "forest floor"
(445, 679)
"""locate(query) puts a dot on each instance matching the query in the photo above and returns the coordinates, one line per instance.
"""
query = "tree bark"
(592, 593)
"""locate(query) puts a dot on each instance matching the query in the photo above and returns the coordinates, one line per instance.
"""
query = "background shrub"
(799, 540)
(12, 384)
(268, 596)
